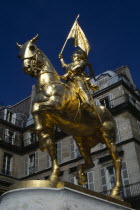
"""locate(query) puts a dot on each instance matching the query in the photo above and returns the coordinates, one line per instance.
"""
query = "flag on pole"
(80, 39)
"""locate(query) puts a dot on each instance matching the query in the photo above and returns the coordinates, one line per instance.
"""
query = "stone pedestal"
(64, 198)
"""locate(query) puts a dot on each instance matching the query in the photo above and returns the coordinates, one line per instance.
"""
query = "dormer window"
(9, 116)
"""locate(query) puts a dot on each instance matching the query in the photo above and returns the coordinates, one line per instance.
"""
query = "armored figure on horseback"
(56, 104)
(75, 72)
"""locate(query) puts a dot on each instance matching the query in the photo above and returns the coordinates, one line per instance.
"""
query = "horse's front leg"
(46, 142)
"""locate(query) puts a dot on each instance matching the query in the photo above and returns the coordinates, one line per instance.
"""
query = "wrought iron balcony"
(124, 99)
(129, 191)
(13, 120)
(5, 139)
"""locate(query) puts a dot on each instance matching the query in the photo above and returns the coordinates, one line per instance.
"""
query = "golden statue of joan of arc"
(75, 71)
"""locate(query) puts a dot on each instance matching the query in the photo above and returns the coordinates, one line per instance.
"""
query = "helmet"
(81, 54)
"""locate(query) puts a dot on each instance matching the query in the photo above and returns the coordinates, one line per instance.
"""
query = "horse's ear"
(19, 46)
(33, 40)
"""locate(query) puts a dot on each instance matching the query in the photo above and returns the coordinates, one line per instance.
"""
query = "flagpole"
(68, 35)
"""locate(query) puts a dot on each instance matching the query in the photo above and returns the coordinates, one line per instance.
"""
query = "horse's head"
(31, 57)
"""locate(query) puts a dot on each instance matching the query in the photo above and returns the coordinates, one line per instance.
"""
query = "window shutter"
(111, 101)
(117, 131)
(11, 165)
(59, 152)
(73, 180)
(18, 139)
(72, 148)
(90, 178)
(5, 114)
(28, 138)
(1, 134)
(26, 165)
(25, 139)
(13, 138)
(36, 161)
(7, 135)
(48, 160)
(101, 146)
(125, 180)
(97, 102)
(13, 118)
(103, 180)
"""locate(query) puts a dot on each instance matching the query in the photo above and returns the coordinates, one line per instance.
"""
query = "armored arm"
(64, 65)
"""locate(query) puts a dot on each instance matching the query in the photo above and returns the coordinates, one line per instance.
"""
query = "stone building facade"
(21, 159)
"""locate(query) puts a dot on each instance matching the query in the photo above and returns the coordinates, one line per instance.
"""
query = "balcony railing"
(29, 141)
(6, 172)
(129, 191)
(124, 99)
(13, 120)
(103, 83)
(10, 140)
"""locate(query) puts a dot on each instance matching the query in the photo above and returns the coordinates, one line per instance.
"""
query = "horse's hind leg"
(109, 138)
(84, 150)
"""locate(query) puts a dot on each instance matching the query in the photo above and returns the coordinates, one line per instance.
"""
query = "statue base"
(65, 196)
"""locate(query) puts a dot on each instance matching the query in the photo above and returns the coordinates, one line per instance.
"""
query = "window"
(2, 134)
(7, 164)
(59, 152)
(29, 138)
(107, 179)
(74, 149)
(49, 164)
(90, 179)
(33, 138)
(31, 163)
(103, 180)
(110, 177)
(9, 136)
(101, 146)
(9, 116)
(125, 181)
(105, 102)
(74, 180)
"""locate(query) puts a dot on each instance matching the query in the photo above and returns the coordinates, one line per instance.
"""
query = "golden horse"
(57, 104)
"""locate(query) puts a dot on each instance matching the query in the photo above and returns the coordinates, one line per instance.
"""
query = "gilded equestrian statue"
(57, 104)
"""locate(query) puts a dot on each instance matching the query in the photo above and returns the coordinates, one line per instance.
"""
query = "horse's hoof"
(118, 197)
(115, 193)
(53, 178)
(82, 180)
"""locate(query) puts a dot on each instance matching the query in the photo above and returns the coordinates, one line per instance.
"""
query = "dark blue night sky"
(112, 28)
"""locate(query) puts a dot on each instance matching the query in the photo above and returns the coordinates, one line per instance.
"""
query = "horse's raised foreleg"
(109, 136)
(84, 150)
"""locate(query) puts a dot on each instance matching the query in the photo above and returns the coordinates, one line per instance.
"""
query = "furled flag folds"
(80, 39)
